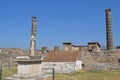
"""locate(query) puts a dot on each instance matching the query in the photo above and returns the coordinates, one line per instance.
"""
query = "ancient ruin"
(67, 59)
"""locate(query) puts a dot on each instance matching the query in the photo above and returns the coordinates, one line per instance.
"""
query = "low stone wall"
(102, 66)
(59, 67)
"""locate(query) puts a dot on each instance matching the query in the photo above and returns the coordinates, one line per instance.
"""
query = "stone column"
(109, 29)
(33, 36)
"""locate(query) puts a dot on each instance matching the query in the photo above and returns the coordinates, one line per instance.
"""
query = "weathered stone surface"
(8, 55)
(103, 60)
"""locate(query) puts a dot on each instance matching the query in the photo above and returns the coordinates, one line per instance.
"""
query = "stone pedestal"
(29, 68)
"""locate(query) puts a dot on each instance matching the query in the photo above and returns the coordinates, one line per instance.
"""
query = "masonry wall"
(94, 47)
(103, 60)
(62, 67)
(75, 48)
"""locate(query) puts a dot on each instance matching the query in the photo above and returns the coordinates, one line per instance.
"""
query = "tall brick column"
(109, 29)
(33, 36)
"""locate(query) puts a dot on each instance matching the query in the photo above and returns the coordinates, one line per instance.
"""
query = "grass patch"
(78, 75)
(8, 72)
(89, 75)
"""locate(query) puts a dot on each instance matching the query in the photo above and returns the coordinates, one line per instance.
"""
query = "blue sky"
(76, 21)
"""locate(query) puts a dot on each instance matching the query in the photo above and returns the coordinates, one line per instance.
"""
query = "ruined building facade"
(92, 56)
